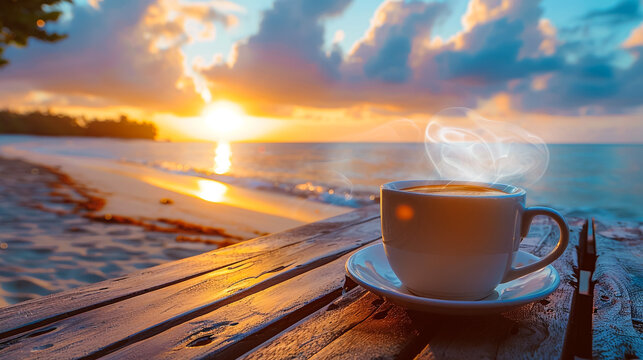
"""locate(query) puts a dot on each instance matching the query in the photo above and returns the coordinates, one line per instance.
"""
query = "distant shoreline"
(51, 124)
(84, 137)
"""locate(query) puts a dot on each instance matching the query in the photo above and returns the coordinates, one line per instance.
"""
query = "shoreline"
(136, 191)
(70, 223)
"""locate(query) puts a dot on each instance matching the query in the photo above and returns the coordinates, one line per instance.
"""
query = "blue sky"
(315, 67)
(355, 20)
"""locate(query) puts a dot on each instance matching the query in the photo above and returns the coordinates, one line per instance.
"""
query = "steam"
(463, 145)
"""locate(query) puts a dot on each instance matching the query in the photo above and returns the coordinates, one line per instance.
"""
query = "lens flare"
(463, 145)
(404, 212)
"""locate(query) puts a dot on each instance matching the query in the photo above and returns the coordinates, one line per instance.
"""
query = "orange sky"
(278, 70)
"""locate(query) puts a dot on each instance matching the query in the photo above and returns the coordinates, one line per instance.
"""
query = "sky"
(340, 70)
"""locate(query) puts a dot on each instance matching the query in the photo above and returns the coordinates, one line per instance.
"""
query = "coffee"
(459, 246)
(456, 190)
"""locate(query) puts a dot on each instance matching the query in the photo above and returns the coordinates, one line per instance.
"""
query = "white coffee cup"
(449, 243)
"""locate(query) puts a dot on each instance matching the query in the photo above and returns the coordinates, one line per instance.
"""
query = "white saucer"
(370, 268)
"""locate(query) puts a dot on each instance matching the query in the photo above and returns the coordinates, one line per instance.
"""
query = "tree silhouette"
(50, 124)
(24, 19)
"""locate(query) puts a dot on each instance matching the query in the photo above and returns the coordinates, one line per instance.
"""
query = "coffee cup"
(457, 240)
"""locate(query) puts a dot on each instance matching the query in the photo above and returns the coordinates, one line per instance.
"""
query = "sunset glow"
(217, 173)
(226, 70)
(224, 118)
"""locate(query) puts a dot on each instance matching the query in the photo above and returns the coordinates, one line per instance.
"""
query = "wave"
(318, 191)
(581, 180)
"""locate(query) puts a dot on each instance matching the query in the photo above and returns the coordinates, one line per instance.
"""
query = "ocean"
(602, 180)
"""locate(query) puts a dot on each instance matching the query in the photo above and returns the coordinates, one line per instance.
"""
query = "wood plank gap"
(168, 324)
(304, 338)
(242, 346)
(49, 320)
(536, 330)
(214, 331)
(377, 309)
(578, 341)
(349, 289)
(417, 345)
(123, 319)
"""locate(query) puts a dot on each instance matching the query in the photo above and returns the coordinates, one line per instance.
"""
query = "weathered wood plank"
(256, 318)
(391, 331)
(116, 325)
(534, 331)
(618, 291)
(39, 312)
(306, 338)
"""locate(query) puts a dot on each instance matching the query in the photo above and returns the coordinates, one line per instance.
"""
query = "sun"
(224, 118)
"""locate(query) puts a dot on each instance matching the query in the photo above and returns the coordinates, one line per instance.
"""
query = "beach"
(69, 221)
(76, 211)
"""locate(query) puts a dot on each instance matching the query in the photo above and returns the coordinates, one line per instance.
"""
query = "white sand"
(135, 191)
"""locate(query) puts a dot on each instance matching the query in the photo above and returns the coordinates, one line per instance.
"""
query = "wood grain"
(281, 297)
(113, 326)
(392, 332)
(256, 319)
(35, 313)
(534, 331)
(304, 339)
(618, 291)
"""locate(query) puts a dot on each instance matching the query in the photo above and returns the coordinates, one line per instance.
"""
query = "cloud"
(635, 38)
(395, 65)
(339, 36)
(126, 53)
(506, 53)
(115, 56)
(626, 10)
(285, 59)
(94, 3)
(279, 67)
(592, 84)
(492, 53)
(172, 23)
(386, 50)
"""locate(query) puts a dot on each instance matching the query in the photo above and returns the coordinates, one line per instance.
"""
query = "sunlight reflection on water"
(211, 191)
(602, 180)
(222, 158)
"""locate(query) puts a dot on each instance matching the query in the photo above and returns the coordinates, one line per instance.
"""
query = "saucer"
(370, 268)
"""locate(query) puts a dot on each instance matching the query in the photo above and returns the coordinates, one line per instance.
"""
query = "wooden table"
(286, 296)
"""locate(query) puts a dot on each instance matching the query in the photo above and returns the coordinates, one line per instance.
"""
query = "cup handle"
(527, 217)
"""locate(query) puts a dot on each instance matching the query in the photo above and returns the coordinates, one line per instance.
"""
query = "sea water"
(603, 180)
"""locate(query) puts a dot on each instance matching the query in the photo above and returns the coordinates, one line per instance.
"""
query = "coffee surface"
(456, 190)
